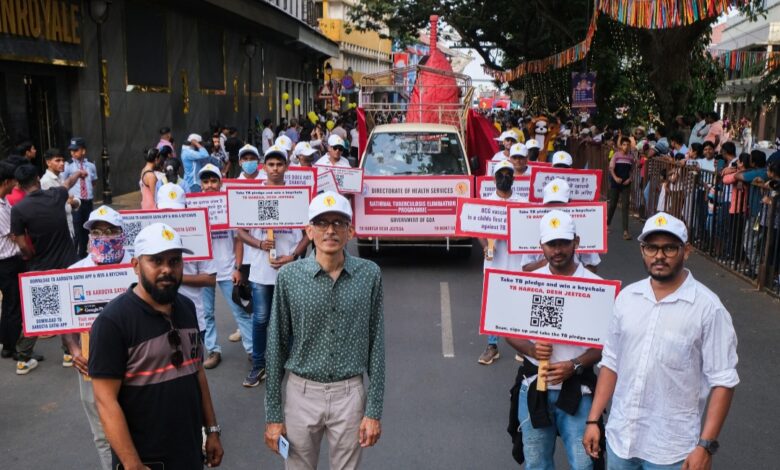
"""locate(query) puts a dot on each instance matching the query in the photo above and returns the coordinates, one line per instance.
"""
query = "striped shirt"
(8, 246)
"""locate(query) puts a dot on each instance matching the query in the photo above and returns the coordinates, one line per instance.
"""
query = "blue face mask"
(249, 166)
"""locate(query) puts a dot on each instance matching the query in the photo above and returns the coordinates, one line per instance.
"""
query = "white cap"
(663, 222)
(336, 141)
(210, 168)
(510, 134)
(556, 190)
(195, 137)
(304, 148)
(104, 214)
(329, 201)
(532, 144)
(562, 158)
(503, 165)
(518, 150)
(284, 142)
(556, 225)
(275, 150)
(157, 238)
(171, 196)
(248, 148)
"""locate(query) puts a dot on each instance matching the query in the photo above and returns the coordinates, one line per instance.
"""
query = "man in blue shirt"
(194, 157)
(84, 190)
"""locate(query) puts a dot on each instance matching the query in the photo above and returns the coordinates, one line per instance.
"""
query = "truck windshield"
(414, 153)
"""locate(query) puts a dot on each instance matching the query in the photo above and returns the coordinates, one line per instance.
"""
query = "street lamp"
(329, 73)
(98, 10)
(249, 49)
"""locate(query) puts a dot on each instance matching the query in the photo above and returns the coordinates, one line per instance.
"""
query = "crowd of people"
(315, 316)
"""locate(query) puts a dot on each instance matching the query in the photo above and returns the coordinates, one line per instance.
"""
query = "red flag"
(362, 132)
(480, 140)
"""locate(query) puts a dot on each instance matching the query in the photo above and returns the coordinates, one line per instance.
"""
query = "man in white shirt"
(268, 134)
(272, 249)
(496, 252)
(518, 155)
(55, 165)
(563, 408)
(507, 139)
(671, 347)
(336, 149)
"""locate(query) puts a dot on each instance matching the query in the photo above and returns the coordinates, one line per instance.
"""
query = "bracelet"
(591, 422)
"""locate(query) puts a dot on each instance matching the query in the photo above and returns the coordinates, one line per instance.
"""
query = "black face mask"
(504, 181)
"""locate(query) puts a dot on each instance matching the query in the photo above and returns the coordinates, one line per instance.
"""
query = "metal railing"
(733, 223)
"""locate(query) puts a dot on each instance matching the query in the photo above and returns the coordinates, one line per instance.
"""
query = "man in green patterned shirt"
(326, 330)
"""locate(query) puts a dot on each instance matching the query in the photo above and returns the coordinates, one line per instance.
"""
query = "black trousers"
(81, 235)
(11, 317)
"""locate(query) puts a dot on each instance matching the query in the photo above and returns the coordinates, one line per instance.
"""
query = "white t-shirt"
(585, 259)
(268, 135)
(325, 161)
(88, 263)
(196, 293)
(223, 243)
(499, 157)
(563, 352)
(353, 138)
(502, 259)
(286, 240)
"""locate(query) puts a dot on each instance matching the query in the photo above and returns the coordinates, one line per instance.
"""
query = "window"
(211, 58)
(146, 48)
(414, 153)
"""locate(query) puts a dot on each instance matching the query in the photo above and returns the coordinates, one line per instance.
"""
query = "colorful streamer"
(745, 64)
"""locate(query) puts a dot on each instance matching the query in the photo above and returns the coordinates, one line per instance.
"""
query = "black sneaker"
(254, 377)
(7, 353)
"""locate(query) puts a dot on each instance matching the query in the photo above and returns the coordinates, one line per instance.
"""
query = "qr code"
(268, 210)
(547, 311)
(131, 230)
(46, 300)
(339, 180)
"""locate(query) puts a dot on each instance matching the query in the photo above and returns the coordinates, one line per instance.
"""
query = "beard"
(164, 295)
(673, 273)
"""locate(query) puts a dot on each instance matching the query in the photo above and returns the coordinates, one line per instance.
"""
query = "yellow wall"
(335, 31)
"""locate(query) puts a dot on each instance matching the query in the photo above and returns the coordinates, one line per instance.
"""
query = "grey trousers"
(313, 410)
(90, 408)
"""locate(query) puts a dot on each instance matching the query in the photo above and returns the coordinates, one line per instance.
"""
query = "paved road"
(440, 412)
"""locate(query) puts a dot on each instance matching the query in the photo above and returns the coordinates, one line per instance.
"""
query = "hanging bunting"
(746, 64)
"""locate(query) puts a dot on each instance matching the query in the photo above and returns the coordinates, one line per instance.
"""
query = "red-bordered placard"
(191, 224)
(481, 218)
(540, 164)
(68, 300)
(348, 180)
(409, 206)
(228, 183)
(215, 203)
(302, 176)
(486, 186)
(269, 207)
(545, 307)
(584, 185)
(326, 181)
(590, 220)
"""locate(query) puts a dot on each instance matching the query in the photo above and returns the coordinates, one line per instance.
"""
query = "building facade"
(192, 66)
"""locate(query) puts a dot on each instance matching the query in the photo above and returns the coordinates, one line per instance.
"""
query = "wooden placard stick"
(541, 383)
(270, 237)
(85, 349)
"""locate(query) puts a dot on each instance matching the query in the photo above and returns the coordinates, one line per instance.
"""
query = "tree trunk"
(668, 53)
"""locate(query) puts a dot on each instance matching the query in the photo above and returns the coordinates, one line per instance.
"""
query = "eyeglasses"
(174, 339)
(323, 225)
(105, 233)
(669, 251)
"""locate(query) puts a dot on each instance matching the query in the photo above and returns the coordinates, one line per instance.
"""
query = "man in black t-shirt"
(146, 364)
(39, 225)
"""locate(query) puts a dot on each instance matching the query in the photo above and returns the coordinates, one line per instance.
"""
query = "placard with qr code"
(348, 180)
(269, 207)
(69, 300)
(543, 307)
(191, 224)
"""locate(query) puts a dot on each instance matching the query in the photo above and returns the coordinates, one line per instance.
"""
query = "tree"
(674, 70)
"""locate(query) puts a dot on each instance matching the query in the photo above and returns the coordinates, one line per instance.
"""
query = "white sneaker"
(235, 337)
(24, 368)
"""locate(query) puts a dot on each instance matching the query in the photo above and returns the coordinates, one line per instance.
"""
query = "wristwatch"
(710, 446)
(578, 369)
(214, 429)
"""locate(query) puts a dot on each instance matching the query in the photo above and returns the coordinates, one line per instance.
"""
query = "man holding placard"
(336, 148)
(105, 247)
(556, 192)
(671, 348)
(555, 395)
(145, 362)
(496, 252)
(273, 249)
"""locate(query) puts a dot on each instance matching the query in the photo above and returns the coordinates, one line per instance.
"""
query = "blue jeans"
(243, 319)
(616, 463)
(262, 295)
(492, 340)
(539, 444)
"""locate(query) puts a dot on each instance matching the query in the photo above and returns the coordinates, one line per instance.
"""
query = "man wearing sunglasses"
(671, 348)
(145, 361)
(335, 155)
(326, 331)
